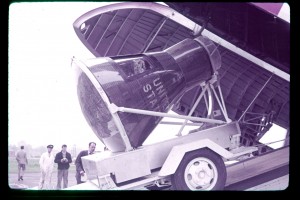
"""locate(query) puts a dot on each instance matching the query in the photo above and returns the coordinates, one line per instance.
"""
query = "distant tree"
(37, 151)
(12, 149)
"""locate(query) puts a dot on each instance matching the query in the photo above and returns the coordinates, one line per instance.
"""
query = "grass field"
(32, 167)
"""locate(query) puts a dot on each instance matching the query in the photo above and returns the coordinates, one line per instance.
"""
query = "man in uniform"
(46, 165)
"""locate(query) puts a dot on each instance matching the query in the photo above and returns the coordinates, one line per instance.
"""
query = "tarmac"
(31, 181)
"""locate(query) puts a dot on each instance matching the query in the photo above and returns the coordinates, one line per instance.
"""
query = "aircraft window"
(139, 66)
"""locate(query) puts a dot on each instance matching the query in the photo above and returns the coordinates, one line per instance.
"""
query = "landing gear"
(200, 170)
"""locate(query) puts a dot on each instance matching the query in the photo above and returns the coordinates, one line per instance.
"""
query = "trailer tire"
(200, 170)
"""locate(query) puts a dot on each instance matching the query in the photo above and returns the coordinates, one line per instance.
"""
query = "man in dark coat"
(79, 168)
(63, 160)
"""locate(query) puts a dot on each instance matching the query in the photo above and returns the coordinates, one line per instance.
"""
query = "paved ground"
(31, 180)
(277, 179)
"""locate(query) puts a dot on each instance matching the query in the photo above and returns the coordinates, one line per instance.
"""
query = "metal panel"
(123, 167)
(132, 28)
(257, 165)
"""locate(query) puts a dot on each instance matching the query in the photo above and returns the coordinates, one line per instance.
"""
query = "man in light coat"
(46, 166)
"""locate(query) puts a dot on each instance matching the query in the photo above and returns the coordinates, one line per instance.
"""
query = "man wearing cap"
(46, 165)
(63, 160)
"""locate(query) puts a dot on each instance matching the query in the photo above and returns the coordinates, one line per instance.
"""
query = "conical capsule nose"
(152, 81)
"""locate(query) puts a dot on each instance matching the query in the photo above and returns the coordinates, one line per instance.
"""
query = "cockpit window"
(132, 67)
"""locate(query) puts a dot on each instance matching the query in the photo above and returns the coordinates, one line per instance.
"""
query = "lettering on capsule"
(156, 92)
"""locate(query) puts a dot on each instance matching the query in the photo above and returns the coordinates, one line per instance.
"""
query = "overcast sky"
(43, 104)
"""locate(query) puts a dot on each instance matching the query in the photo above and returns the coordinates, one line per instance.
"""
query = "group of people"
(47, 160)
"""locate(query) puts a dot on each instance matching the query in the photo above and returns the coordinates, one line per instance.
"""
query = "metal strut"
(255, 97)
(207, 87)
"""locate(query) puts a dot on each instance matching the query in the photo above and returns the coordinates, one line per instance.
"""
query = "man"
(79, 168)
(63, 160)
(21, 158)
(46, 165)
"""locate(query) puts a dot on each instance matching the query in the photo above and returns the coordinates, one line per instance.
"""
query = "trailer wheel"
(200, 170)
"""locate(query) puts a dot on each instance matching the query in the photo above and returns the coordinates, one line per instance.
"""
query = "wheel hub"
(201, 174)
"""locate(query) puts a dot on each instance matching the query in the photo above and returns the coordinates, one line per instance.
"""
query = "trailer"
(193, 161)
